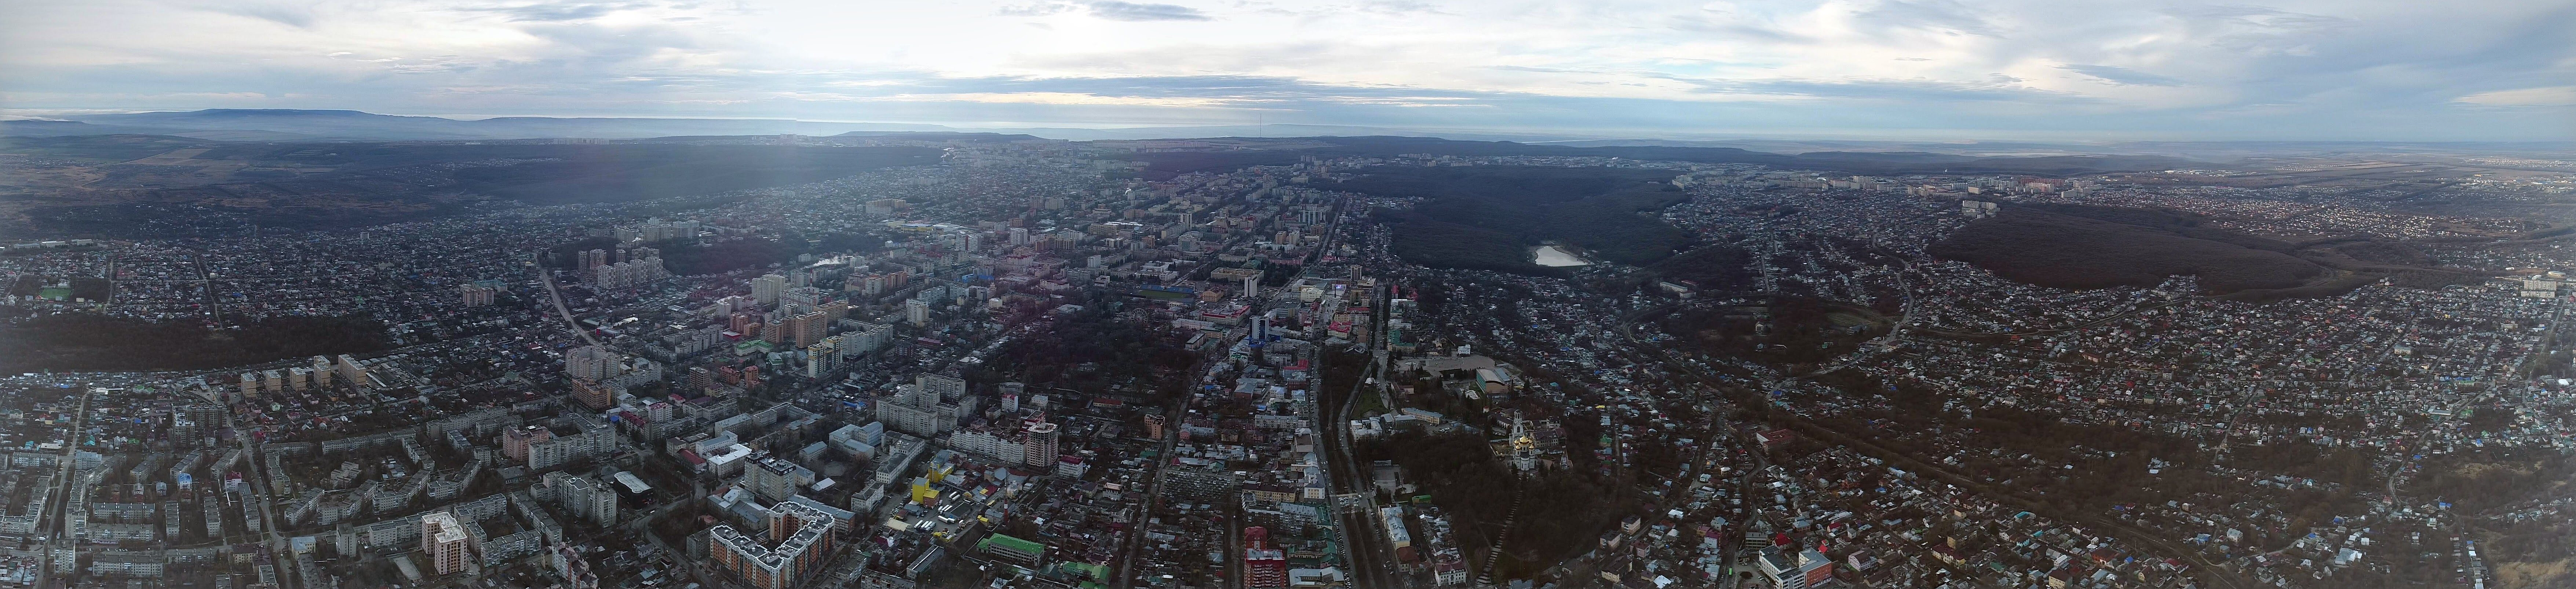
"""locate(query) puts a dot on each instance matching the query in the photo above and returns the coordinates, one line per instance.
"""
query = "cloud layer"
(2151, 69)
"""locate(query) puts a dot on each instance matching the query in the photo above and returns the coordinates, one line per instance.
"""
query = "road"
(1363, 548)
(214, 302)
(1134, 541)
(549, 279)
(58, 512)
(262, 494)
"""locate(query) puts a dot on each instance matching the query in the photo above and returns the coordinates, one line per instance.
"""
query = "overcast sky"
(2039, 69)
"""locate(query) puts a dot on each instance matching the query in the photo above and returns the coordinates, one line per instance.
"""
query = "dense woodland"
(1291, 150)
(1604, 212)
(1450, 245)
(1804, 330)
(1094, 348)
(2084, 247)
(691, 258)
(1560, 516)
(1721, 267)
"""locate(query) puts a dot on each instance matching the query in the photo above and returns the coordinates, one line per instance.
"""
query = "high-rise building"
(823, 359)
(449, 546)
(592, 501)
(574, 569)
(866, 338)
(593, 363)
(515, 441)
(592, 394)
(1003, 447)
(592, 439)
(807, 328)
(776, 479)
(474, 296)
(700, 380)
(767, 287)
(590, 259)
(322, 372)
(907, 411)
(920, 408)
(799, 537)
(916, 312)
(806, 296)
(1264, 567)
(943, 387)
(1039, 445)
(628, 273)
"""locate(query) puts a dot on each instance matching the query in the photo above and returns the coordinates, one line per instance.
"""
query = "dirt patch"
(2519, 575)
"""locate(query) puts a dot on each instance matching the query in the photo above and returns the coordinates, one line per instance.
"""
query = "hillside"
(1489, 216)
(112, 185)
(1163, 164)
(2084, 247)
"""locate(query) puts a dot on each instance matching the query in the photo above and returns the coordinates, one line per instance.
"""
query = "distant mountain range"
(346, 125)
(290, 125)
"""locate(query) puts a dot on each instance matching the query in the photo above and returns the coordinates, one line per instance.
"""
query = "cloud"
(1136, 12)
(1036, 9)
(558, 12)
(293, 16)
(2120, 75)
(1105, 10)
(2546, 96)
(2210, 68)
(1933, 15)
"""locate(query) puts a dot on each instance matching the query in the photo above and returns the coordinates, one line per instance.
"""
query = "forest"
(1093, 347)
(1720, 267)
(1451, 245)
(1168, 163)
(691, 258)
(2085, 247)
(1561, 514)
(1804, 330)
(1601, 211)
(80, 341)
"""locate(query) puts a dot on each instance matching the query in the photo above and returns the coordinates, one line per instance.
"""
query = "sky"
(1935, 69)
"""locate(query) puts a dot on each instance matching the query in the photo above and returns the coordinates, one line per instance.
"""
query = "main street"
(548, 279)
(263, 495)
(59, 512)
(1370, 559)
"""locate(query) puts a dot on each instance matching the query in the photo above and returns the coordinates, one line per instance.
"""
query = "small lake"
(1551, 257)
